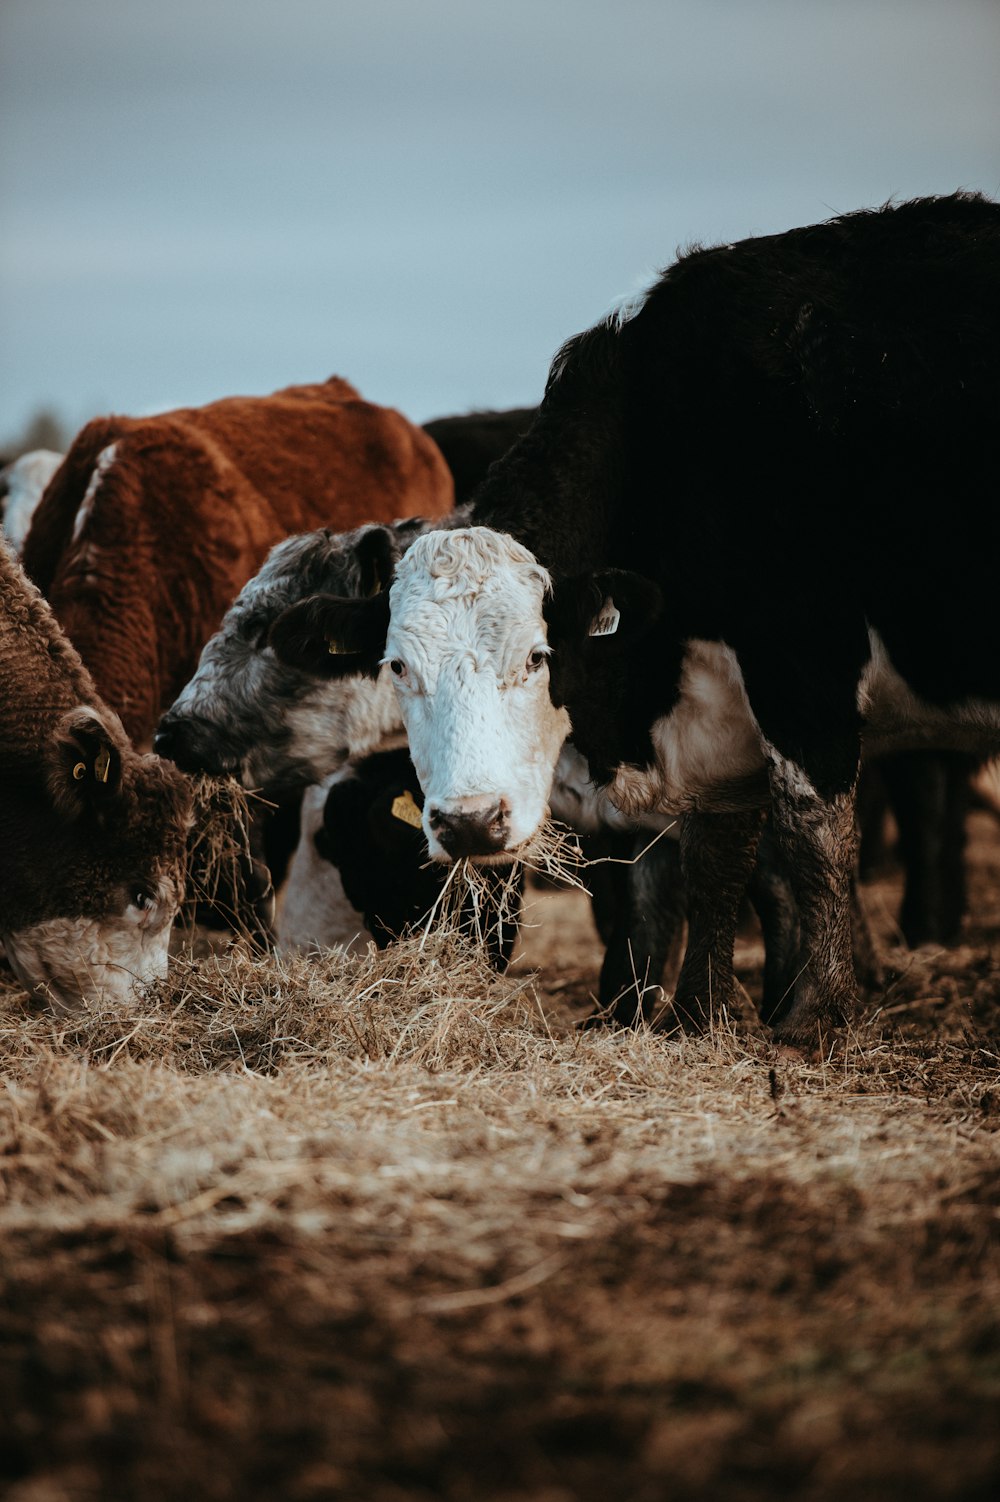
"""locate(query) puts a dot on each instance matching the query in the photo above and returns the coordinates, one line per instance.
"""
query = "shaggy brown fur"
(85, 820)
(141, 553)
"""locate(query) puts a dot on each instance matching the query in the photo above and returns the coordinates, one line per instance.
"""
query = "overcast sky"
(205, 197)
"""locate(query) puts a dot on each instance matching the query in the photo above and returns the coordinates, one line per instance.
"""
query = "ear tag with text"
(404, 808)
(605, 622)
(102, 762)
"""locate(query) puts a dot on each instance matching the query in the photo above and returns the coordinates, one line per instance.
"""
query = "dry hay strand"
(220, 856)
(484, 902)
(430, 1000)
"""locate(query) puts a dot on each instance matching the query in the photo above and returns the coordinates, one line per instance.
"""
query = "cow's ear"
(395, 823)
(377, 552)
(612, 603)
(333, 637)
(84, 763)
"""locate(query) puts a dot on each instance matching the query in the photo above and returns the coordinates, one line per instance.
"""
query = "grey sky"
(428, 196)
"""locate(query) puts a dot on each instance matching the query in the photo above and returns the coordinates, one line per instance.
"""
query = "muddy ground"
(392, 1229)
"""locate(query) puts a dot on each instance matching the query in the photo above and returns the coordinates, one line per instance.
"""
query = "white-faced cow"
(279, 728)
(746, 526)
(93, 833)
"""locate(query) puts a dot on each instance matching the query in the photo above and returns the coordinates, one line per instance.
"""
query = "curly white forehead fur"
(465, 561)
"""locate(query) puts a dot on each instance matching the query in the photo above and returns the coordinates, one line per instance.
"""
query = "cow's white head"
(468, 652)
(463, 633)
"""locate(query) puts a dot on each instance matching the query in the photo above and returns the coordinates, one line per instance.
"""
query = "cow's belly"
(709, 750)
(898, 719)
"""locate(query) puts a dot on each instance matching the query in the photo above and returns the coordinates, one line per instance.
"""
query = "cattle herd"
(736, 565)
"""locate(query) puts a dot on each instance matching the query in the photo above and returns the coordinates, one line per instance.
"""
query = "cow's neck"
(559, 490)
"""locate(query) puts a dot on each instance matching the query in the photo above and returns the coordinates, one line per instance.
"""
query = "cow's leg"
(649, 921)
(717, 857)
(817, 832)
(929, 796)
(773, 900)
(803, 691)
(869, 967)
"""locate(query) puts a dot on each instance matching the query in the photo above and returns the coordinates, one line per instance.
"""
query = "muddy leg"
(773, 900)
(929, 797)
(649, 921)
(717, 857)
(819, 839)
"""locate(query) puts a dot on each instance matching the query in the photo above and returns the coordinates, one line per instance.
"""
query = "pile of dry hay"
(391, 1225)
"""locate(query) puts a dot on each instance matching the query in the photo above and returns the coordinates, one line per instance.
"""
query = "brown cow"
(93, 834)
(152, 525)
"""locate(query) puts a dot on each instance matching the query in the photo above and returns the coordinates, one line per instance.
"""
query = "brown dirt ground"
(389, 1228)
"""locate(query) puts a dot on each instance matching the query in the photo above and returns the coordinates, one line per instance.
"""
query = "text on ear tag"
(102, 763)
(605, 622)
(80, 770)
(404, 808)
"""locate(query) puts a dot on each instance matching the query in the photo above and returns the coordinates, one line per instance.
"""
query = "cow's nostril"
(480, 832)
(163, 743)
(187, 743)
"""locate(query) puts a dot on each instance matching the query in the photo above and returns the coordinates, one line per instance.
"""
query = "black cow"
(756, 498)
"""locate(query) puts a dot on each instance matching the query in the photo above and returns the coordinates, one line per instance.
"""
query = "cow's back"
(152, 525)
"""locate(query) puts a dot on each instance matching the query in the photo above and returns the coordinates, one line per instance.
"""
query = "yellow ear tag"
(404, 808)
(102, 764)
(80, 770)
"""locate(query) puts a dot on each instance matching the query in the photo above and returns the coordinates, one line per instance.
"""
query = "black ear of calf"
(377, 552)
(333, 637)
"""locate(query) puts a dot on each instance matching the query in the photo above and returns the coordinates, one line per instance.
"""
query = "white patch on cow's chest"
(313, 911)
(575, 800)
(708, 742)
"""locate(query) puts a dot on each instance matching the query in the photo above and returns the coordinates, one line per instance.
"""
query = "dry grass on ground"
(390, 1228)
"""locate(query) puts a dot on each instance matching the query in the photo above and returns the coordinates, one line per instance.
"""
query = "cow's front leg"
(717, 857)
(650, 909)
(819, 838)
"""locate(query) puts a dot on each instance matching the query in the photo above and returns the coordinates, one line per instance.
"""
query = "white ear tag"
(605, 623)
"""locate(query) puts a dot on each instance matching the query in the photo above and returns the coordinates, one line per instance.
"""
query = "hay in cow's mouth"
(220, 859)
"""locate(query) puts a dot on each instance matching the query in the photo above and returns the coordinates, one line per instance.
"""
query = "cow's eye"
(397, 667)
(535, 660)
(143, 900)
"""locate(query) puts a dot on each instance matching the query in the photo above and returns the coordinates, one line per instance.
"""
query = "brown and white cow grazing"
(93, 834)
(152, 525)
